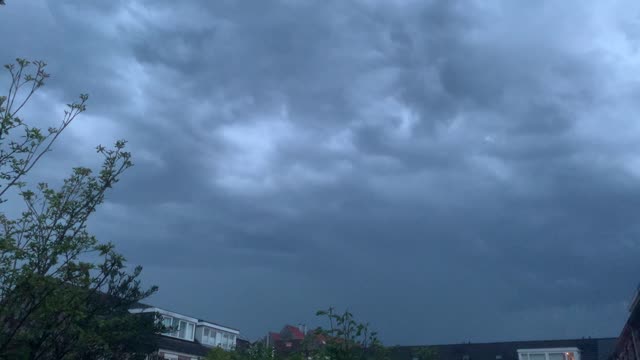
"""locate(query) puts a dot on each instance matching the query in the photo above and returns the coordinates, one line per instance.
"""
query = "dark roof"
(182, 346)
(591, 349)
(606, 347)
(242, 344)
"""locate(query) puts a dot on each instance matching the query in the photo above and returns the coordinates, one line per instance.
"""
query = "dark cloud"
(448, 170)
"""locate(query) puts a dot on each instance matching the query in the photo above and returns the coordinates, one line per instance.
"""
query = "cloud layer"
(449, 170)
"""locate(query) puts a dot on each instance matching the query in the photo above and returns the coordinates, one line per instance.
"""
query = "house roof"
(147, 306)
(295, 332)
(242, 344)
(182, 346)
(218, 326)
(591, 349)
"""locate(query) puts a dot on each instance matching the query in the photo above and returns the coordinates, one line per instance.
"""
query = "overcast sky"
(448, 170)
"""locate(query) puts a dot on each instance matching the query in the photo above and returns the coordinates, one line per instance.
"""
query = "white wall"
(220, 340)
(199, 333)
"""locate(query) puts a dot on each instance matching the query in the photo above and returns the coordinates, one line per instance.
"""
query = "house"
(628, 345)
(573, 349)
(293, 339)
(188, 338)
(289, 340)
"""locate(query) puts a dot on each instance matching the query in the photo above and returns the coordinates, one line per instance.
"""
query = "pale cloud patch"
(248, 163)
(341, 142)
(492, 166)
(394, 118)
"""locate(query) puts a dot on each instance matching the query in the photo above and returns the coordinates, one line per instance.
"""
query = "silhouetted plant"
(347, 339)
(63, 294)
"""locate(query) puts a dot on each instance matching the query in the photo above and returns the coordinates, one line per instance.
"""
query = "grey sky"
(448, 170)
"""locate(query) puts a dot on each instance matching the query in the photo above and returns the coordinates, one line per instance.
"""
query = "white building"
(188, 338)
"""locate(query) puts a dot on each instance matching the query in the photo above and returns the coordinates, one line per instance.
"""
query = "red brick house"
(289, 340)
(294, 339)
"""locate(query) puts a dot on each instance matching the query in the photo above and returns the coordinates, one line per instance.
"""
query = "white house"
(188, 338)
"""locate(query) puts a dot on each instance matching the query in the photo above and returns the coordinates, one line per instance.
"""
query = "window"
(209, 336)
(178, 328)
(549, 354)
(185, 330)
(537, 356)
(167, 322)
(225, 340)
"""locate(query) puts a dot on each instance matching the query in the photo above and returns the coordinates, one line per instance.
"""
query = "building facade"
(188, 338)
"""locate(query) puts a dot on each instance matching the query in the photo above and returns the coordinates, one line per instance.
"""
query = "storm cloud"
(448, 170)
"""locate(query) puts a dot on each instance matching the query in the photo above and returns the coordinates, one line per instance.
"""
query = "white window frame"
(181, 323)
(228, 340)
(186, 325)
(523, 354)
(175, 316)
(170, 332)
(209, 339)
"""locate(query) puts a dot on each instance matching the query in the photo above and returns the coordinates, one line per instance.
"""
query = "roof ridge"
(184, 314)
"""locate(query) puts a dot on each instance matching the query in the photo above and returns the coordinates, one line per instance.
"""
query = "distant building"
(628, 344)
(576, 349)
(242, 344)
(190, 338)
(289, 340)
(294, 339)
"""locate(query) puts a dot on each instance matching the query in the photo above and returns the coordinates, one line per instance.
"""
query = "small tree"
(63, 294)
(259, 351)
(347, 339)
(426, 353)
(218, 353)
(296, 356)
